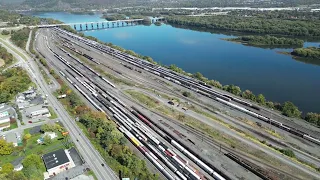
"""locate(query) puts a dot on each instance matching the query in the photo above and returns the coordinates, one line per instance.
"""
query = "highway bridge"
(100, 24)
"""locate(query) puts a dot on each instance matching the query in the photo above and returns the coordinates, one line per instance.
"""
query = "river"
(279, 77)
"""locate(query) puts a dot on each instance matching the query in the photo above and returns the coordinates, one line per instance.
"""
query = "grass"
(91, 173)
(52, 112)
(45, 75)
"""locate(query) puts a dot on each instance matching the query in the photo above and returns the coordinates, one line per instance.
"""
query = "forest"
(270, 41)
(253, 25)
(13, 81)
(20, 37)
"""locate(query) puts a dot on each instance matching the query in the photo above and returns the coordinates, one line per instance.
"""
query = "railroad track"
(225, 149)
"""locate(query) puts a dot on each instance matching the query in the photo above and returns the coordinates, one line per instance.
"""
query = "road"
(86, 149)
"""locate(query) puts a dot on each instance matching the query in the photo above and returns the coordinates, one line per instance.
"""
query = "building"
(32, 113)
(4, 120)
(57, 162)
(52, 135)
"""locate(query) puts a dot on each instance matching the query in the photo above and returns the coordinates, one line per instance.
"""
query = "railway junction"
(208, 135)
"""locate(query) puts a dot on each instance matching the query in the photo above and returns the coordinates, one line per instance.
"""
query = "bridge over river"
(100, 24)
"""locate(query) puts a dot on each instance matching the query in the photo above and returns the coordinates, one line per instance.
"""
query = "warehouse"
(56, 162)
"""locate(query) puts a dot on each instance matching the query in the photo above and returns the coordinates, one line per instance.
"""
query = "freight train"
(190, 83)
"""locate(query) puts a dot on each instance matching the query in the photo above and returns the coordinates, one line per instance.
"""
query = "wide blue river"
(279, 77)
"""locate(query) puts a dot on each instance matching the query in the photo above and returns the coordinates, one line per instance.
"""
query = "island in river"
(268, 41)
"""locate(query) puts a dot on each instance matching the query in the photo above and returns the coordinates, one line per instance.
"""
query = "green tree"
(47, 140)
(7, 168)
(290, 110)
(17, 175)
(312, 117)
(32, 160)
(5, 148)
(5, 32)
(248, 95)
(232, 89)
(288, 152)
(270, 104)
(27, 136)
(261, 99)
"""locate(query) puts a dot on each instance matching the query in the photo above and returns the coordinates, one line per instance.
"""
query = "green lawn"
(52, 112)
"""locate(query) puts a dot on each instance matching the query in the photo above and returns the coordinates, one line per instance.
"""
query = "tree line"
(253, 24)
(267, 40)
(287, 108)
(12, 82)
(309, 52)
(20, 37)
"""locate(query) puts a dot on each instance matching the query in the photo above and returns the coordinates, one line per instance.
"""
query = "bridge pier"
(75, 27)
(118, 24)
(97, 25)
(91, 25)
(102, 25)
(86, 26)
(108, 25)
(81, 27)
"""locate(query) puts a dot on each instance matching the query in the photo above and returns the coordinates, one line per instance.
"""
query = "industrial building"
(56, 162)
(38, 112)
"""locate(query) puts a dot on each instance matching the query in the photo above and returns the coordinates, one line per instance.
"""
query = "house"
(52, 135)
(56, 162)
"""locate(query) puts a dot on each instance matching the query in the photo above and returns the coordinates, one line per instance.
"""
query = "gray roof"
(55, 158)
(75, 156)
(17, 161)
(37, 100)
(35, 130)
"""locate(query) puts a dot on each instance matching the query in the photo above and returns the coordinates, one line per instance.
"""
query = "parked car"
(29, 121)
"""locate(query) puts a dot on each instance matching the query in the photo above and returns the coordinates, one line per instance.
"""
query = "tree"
(7, 168)
(290, 110)
(261, 99)
(270, 104)
(248, 95)
(47, 140)
(5, 148)
(5, 32)
(32, 160)
(27, 136)
(232, 89)
(312, 117)
(17, 175)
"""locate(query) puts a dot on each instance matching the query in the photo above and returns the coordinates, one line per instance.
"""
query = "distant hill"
(90, 4)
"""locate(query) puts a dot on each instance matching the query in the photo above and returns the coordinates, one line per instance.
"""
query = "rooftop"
(55, 158)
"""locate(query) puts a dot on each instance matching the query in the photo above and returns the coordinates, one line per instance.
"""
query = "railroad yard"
(210, 134)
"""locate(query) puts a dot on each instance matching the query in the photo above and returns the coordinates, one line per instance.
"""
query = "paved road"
(88, 152)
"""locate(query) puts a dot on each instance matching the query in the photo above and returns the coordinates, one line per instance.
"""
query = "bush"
(288, 152)
(5, 32)
(186, 94)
